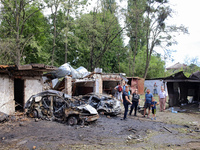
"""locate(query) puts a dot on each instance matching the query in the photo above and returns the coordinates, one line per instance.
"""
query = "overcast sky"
(188, 45)
(187, 14)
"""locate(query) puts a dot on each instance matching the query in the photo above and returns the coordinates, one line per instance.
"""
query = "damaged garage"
(110, 81)
(18, 83)
(182, 89)
(80, 82)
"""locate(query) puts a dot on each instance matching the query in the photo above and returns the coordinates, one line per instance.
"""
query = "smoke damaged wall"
(32, 87)
(7, 103)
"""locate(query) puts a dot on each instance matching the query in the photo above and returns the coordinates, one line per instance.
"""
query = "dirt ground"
(169, 131)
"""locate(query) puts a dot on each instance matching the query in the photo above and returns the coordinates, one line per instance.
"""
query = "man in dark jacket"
(135, 102)
(126, 101)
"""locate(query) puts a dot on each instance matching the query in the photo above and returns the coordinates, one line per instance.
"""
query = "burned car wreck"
(55, 105)
(103, 103)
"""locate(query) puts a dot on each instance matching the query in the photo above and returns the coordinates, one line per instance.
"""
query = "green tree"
(135, 19)
(157, 32)
(100, 36)
(15, 15)
(156, 66)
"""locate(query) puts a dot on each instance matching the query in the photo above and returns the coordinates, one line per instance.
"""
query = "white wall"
(7, 103)
(32, 87)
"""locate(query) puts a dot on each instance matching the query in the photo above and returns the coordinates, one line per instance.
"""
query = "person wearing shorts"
(153, 106)
(147, 104)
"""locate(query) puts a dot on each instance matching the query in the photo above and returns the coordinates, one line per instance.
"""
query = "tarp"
(67, 69)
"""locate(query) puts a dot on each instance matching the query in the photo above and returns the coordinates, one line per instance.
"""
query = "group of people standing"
(124, 93)
(124, 96)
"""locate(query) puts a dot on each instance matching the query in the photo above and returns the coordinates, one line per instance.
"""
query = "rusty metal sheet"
(92, 118)
(137, 83)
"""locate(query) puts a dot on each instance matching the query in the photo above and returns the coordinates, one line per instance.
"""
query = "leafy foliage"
(93, 39)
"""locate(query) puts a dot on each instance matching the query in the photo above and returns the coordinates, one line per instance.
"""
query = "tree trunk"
(149, 53)
(18, 57)
(129, 59)
(54, 33)
(93, 42)
(136, 44)
(67, 26)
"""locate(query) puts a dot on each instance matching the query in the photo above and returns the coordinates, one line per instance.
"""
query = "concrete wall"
(32, 87)
(7, 103)
(98, 84)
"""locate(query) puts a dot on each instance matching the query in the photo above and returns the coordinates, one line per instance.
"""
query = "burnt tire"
(72, 120)
(33, 114)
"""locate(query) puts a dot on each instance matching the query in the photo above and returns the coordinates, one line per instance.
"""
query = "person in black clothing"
(126, 101)
(135, 102)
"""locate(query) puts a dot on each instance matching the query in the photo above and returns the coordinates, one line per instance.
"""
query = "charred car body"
(53, 104)
(102, 103)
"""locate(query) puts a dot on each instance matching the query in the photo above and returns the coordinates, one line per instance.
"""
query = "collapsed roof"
(180, 77)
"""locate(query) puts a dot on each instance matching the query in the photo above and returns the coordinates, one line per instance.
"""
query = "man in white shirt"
(162, 99)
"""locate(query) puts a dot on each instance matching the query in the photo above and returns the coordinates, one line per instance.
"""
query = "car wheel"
(72, 120)
(33, 114)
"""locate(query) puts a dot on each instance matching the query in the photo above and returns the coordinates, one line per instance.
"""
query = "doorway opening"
(19, 94)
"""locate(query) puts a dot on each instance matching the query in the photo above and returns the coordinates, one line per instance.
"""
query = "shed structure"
(136, 83)
(18, 83)
(95, 82)
(180, 88)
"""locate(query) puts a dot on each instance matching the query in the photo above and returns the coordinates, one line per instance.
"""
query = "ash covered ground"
(169, 131)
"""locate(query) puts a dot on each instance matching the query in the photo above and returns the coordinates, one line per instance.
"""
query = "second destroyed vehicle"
(102, 102)
(55, 105)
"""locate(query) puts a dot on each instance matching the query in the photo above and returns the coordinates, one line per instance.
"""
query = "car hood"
(89, 108)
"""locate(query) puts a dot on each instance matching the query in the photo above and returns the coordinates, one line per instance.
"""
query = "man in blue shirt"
(148, 100)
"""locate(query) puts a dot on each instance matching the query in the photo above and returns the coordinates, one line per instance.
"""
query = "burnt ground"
(180, 132)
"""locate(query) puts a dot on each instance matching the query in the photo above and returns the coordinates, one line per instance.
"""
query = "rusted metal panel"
(136, 83)
(70, 112)
(92, 118)
(141, 86)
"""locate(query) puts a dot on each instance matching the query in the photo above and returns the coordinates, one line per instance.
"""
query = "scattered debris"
(138, 138)
(167, 129)
(22, 142)
(132, 129)
(3, 117)
(186, 126)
